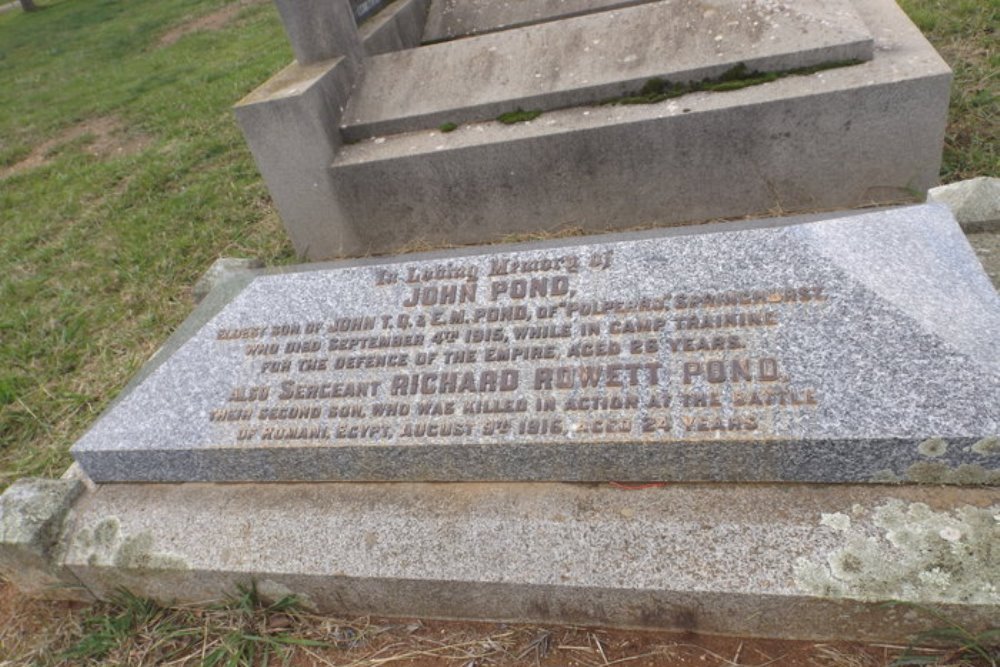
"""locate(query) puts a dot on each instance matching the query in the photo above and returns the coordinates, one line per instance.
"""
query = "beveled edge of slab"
(789, 561)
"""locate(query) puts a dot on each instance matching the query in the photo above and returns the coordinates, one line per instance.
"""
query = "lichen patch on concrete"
(104, 545)
(836, 520)
(910, 552)
(986, 446)
(935, 472)
(933, 447)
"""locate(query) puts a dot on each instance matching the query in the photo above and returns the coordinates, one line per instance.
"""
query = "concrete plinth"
(33, 524)
(810, 562)
(849, 136)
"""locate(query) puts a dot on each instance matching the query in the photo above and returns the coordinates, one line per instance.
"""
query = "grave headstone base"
(808, 562)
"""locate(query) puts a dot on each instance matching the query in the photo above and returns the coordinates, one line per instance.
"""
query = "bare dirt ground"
(104, 137)
(34, 632)
(216, 20)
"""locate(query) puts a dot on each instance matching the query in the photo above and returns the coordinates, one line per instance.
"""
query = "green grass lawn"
(100, 246)
(98, 253)
(967, 34)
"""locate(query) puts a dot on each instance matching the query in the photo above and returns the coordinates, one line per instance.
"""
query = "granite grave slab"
(848, 348)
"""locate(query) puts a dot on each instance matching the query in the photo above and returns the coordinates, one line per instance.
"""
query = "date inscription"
(507, 348)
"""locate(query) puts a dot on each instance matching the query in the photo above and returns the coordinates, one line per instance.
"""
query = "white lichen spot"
(909, 551)
(935, 578)
(987, 446)
(836, 520)
(933, 447)
(950, 533)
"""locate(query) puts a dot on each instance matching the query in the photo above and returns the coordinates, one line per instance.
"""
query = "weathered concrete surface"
(221, 270)
(805, 562)
(290, 124)
(974, 202)
(841, 138)
(838, 352)
(591, 58)
(33, 517)
(321, 30)
(397, 27)
(449, 19)
(847, 137)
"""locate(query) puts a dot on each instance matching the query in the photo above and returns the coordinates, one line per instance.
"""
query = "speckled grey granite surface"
(854, 348)
(789, 560)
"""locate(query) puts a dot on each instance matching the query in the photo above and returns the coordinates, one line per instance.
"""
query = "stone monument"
(404, 127)
(434, 434)
(712, 353)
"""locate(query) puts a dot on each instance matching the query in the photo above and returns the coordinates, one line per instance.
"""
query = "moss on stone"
(519, 116)
(739, 76)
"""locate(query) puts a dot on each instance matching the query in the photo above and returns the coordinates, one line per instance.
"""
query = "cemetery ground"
(122, 177)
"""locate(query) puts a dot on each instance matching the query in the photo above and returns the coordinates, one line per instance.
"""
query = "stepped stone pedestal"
(349, 143)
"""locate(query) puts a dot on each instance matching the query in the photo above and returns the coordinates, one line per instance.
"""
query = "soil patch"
(216, 20)
(108, 139)
(37, 632)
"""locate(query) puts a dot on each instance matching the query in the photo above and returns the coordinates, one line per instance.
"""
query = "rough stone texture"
(321, 30)
(987, 248)
(290, 125)
(841, 138)
(975, 202)
(587, 59)
(398, 27)
(222, 269)
(857, 348)
(449, 19)
(33, 515)
(804, 562)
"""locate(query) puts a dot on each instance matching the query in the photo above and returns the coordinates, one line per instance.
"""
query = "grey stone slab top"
(859, 347)
(586, 59)
(448, 19)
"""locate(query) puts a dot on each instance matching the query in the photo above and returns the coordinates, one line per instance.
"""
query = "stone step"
(452, 19)
(799, 562)
(587, 59)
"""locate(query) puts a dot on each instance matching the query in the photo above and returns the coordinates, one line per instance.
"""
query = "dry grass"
(247, 630)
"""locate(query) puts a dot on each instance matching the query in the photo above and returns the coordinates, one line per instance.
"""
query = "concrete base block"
(841, 138)
(33, 515)
(810, 562)
(396, 28)
(222, 269)
(825, 142)
(974, 202)
(290, 124)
